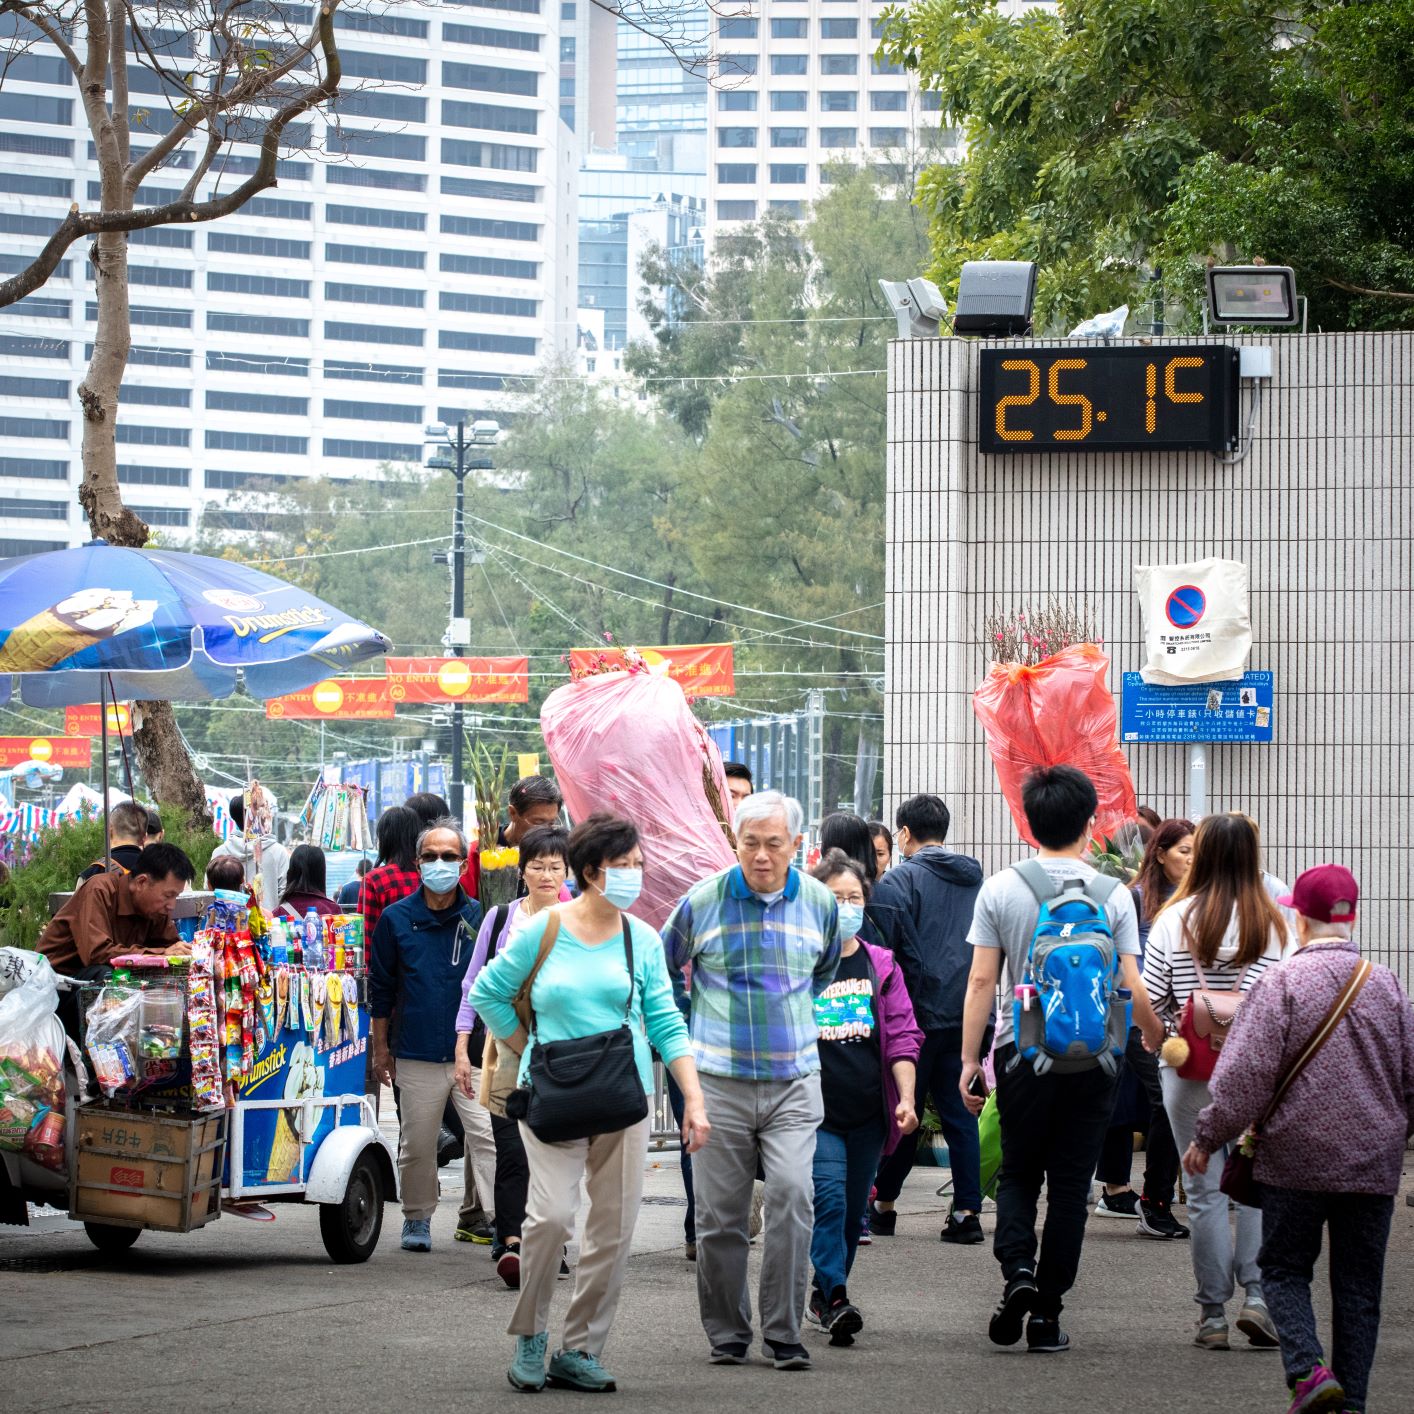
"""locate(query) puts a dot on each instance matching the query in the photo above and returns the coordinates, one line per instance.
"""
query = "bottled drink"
(313, 940)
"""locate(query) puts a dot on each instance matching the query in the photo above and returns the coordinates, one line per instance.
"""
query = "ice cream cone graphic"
(284, 1151)
(75, 623)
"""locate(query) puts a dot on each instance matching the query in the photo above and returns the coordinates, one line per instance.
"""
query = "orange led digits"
(1151, 389)
(1171, 381)
(1017, 400)
(1070, 434)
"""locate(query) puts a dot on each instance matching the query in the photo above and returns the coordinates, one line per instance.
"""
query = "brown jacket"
(101, 922)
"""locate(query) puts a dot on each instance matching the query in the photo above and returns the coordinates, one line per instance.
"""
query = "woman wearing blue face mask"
(869, 1044)
(579, 990)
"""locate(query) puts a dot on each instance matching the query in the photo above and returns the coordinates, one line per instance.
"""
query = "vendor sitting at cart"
(115, 914)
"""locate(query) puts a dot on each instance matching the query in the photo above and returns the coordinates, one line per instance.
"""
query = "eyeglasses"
(447, 856)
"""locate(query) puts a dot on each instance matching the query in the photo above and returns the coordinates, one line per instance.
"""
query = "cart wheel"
(350, 1229)
(108, 1238)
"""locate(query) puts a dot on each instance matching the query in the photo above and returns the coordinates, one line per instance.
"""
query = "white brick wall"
(1322, 513)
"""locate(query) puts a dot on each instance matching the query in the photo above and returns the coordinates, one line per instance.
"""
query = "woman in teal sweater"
(579, 990)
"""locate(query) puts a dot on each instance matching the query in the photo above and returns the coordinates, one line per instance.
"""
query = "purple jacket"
(1343, 1124)
(899, 1036)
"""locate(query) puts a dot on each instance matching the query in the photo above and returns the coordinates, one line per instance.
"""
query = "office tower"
(419, 253)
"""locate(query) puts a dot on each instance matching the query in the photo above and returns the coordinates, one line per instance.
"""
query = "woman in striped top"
(1218, 933)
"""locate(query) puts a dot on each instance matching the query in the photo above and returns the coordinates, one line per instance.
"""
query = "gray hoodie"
(274, 865)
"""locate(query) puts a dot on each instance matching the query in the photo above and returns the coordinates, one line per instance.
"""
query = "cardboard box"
(135, 1168)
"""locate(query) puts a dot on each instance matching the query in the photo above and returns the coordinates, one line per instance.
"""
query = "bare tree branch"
(1362, 290)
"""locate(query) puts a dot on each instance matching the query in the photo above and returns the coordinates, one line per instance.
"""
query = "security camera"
(928, 298)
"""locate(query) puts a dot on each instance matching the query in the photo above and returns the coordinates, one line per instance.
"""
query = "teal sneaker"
(417, 1235)
(578, 1369)
(527, 1372)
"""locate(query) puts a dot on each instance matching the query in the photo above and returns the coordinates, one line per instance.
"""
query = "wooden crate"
(135, 1168)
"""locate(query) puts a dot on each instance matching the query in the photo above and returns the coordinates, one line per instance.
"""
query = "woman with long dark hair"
(846, 831)
(1217, 934)
(1163, 869)
(305, 884)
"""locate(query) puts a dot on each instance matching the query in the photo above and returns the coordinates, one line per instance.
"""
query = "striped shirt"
(757, 968)
(1171, 974)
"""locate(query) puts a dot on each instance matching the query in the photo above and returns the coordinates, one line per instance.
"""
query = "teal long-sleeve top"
(582, 989)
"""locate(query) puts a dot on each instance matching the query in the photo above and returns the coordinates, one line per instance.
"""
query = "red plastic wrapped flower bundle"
(1054, 710)
(626, 741)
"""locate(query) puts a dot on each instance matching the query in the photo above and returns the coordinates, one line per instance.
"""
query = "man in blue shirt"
(421, 949)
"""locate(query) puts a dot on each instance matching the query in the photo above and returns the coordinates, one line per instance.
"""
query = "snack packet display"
(111, 1036)
(206, 1085)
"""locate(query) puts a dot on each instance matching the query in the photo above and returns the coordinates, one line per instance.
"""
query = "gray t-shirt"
(1005, 918)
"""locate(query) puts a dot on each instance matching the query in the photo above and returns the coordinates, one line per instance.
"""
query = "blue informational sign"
(1236, 711)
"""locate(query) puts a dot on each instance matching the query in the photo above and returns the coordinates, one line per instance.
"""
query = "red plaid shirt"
(382, 886)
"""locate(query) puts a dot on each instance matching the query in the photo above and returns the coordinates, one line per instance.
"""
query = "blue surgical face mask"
(851, 919)
(441, 875)
(623, 886)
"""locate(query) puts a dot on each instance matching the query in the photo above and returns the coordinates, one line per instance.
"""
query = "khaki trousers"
(611, 1166)
(423, 1087)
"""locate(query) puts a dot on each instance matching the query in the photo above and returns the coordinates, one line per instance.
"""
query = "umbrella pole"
(103, 737)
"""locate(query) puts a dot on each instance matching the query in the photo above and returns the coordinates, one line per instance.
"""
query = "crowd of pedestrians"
(804, 1018)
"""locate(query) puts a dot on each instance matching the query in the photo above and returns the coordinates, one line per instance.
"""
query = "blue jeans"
(844, 1173)
(939, 1070)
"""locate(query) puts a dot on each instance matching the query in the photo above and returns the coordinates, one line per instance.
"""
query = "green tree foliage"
(1109, 138)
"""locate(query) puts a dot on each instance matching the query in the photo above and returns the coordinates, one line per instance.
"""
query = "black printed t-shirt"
(851, 1078)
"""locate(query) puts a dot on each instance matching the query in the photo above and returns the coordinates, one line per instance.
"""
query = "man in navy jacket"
(923, 909)
(421, 949)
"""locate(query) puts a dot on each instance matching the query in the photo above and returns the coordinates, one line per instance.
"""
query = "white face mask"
(622, 886)
(851, 920)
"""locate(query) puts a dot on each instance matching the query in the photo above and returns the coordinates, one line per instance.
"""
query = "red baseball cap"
(1328, 893)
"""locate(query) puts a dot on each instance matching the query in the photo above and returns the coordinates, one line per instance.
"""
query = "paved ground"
(253, 1317)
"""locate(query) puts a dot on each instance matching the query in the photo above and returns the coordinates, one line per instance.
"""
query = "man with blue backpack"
(1070, 941)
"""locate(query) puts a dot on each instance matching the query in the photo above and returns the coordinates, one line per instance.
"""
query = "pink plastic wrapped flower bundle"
(626, 741)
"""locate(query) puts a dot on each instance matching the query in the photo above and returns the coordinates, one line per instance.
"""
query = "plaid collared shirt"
(385, 884)
(756, 970)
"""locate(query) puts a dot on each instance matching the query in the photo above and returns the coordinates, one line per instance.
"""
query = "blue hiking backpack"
(1078, 1017)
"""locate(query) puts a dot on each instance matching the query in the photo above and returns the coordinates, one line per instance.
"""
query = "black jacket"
(922, 909)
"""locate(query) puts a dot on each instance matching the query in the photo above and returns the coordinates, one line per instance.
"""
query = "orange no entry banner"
(346, 699)
(700, 669)
(459, 679)
(83, 721)
(56, 750)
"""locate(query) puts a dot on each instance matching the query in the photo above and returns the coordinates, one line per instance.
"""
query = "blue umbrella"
(103, 621)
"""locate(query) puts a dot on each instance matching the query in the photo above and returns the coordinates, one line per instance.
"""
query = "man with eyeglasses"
(421, 950)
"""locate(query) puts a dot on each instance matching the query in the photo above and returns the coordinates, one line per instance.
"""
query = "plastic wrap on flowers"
(1059, 712)
(628, 742)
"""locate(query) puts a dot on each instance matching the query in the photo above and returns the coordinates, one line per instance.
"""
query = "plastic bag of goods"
(31, 1060)
(627, 742)
(1058, 713)
(111, 1037)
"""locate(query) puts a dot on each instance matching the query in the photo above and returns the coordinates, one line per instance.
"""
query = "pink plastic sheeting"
(628, 742)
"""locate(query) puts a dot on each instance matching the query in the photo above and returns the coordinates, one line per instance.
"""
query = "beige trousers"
(423, 1087)
(611, 1166)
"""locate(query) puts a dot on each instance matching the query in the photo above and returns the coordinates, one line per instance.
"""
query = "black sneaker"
(965, 1231)
(1156, 1220)
(564, 1270)
(1045, 1337)
(816, 1308)
(732, 1353)
(1009, 1319)
(842, 1321)
(787, 1357)
(1118, 1205)
(882, 1224)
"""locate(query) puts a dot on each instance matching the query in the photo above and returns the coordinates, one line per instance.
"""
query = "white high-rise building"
(314, 333)
(796, 87)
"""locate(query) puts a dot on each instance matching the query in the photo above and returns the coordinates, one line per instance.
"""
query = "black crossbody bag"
(589, 1085)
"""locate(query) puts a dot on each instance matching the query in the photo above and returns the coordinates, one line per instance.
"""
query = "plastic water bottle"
(313, 940)
(279, 948)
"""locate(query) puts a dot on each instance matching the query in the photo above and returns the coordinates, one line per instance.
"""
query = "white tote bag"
(1196, 624)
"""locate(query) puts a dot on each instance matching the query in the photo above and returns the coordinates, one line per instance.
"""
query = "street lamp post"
(483, 435)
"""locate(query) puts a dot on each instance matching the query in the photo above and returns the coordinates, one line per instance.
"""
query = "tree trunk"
(165, 763)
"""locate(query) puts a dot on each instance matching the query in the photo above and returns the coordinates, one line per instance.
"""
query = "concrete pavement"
(253, 1316)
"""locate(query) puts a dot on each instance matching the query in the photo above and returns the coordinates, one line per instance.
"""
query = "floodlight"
(485, 429)
(1252, 294)
(995, 297)
(918, 305)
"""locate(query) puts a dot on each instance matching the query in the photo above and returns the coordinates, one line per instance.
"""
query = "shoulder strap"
(500, 916)
(1331, 1020)
(628, 953)
(1038, 880)
(524, 1010)
(1099, 889)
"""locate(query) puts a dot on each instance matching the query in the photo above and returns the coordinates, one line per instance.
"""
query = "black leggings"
(512, 1179)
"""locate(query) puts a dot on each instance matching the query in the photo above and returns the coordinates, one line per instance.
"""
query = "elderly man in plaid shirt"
(762, 940)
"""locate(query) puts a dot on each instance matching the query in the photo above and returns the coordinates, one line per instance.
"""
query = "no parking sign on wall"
(1196, 624)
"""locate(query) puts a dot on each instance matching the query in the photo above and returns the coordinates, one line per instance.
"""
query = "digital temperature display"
(1088, 398)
